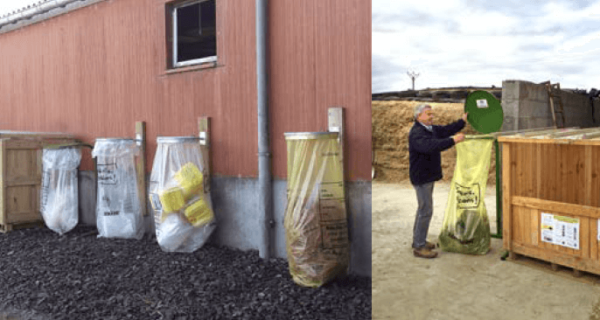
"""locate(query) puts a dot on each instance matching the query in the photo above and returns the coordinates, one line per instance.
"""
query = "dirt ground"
(457, 286)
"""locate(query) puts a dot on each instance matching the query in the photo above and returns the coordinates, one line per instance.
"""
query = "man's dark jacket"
(425, 147)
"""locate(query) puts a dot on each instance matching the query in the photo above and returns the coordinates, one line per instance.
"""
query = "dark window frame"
(172, 39)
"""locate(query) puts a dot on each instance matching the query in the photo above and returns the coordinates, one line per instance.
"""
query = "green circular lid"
(485, 112)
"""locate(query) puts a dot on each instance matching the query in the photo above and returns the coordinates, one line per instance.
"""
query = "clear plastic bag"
(59, 194)
(179, 195)
(466, 227)
(118, 210)
(316, 226)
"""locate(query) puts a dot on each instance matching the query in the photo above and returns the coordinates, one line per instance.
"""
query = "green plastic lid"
(485, 112)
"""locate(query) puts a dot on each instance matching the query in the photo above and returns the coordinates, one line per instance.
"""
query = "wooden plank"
(585, 238)
(539, 160)
(506, 197)
(535, 227)
(22, 183)
(23, 217)
(593, 227)
(551, 141)
(519, 225)
(204, 133)
(588, 162)
(35, 135)
(595, 176)
(557, 207)
(558, 258)
(140, 162)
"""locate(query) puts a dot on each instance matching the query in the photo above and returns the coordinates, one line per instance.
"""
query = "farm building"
(258, 69)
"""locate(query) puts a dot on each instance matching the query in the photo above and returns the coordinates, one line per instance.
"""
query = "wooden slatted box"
(554, 175)
(21, 176)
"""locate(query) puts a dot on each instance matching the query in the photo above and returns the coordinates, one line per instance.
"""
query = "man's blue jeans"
(424, 214)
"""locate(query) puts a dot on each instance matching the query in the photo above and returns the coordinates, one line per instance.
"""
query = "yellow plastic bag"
(190, 180)
(315, 217)
(466, 227)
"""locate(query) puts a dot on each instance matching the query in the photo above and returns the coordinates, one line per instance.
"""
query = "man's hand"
(459, 137)
(464, 117)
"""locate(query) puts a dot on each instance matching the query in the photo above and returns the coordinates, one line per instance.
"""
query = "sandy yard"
(457, 286)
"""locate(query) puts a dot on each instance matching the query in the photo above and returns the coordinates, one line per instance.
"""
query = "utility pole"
(413, 75)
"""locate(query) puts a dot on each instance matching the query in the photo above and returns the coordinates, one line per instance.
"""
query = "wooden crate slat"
(556, 207)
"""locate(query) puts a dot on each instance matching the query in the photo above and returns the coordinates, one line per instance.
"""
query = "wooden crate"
(556, 175)
(21, 177)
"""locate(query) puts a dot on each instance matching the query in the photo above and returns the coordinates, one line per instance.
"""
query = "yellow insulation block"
(190, 179)
(172, 200)
(198, 213)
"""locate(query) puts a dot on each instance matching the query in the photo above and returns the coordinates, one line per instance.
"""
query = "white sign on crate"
(560, 230)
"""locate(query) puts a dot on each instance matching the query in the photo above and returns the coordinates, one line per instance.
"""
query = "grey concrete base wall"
(526, 106)
(236, 208)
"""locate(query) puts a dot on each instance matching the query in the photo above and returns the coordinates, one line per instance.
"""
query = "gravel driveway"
(79, 276)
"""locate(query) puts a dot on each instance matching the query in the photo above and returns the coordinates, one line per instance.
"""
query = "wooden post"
(204, 134)
(506, 198)
(140, 140)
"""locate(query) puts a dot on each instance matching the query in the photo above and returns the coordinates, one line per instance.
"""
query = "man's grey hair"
(420, 108)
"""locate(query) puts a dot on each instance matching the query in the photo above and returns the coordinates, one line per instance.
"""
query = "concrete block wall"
(526, 105)
(236, 209)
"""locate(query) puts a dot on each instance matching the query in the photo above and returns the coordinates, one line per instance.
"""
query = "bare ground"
(457, 286)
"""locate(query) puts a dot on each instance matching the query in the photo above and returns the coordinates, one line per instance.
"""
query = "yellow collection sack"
(466, 227)
(316, 227)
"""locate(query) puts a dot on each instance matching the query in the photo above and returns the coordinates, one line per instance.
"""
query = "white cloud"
(466, 43)
(7, 6)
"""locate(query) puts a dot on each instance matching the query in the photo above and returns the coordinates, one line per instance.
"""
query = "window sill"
(202, 66)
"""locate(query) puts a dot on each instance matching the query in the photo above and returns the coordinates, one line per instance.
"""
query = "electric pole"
(413, 75)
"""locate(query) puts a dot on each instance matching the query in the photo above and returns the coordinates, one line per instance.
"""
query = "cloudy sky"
(481, 43)
(7, 6)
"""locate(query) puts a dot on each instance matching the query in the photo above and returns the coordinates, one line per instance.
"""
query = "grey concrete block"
(510, 123)
(87, 198)
(510, 91)
(235, 203)
(359, 211)
(532, 92)
(510, 108)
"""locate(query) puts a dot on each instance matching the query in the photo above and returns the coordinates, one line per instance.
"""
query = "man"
(425, 144)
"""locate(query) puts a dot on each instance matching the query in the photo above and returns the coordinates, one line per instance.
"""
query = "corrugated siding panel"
(95, 71)
(321, 58)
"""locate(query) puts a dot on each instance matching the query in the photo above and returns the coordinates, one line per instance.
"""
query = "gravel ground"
(79, 276)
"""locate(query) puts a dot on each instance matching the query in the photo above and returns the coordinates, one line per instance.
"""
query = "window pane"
(196, 31)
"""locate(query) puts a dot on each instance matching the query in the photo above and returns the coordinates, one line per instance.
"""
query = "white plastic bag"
(179, 195)
(118, 210)
(59, 194)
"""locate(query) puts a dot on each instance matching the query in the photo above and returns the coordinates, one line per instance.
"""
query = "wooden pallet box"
(551, 197)
(21, 177)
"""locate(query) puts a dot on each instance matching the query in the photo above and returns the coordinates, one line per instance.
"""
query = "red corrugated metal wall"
(321, 58)
(97, 70)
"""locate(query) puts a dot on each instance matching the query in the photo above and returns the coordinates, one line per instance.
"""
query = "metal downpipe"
(265, 199)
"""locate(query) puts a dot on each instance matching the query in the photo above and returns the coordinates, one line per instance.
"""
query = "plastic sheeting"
(180, 195)
(466, 227)
(118, 209)
(59, 194)
(316, 226)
